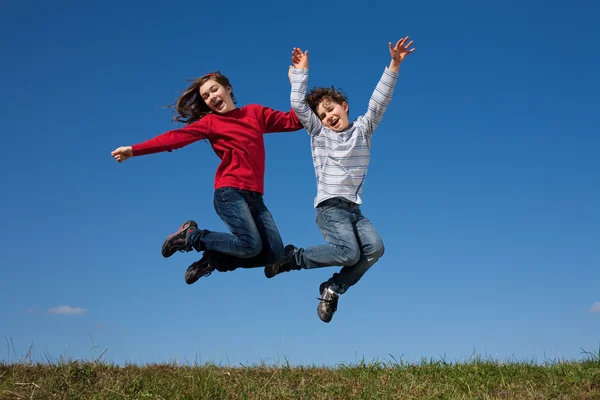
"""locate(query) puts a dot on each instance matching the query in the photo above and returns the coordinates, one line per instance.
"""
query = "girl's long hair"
(190, 106)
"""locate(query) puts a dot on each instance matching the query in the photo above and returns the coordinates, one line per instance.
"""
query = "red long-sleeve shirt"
(236, 137)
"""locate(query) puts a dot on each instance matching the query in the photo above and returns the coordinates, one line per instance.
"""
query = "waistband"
(338, 201)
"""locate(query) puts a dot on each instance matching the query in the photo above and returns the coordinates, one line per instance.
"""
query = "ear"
(229, 89)
(345, 106)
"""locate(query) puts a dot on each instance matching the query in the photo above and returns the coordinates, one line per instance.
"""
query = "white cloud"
(595, 307)
(67, 310)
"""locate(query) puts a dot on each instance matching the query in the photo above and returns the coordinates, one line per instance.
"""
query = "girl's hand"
(300, 59)
(399, 52)
(122, 153)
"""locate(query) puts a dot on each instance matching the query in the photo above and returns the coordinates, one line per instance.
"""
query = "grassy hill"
(474, 379)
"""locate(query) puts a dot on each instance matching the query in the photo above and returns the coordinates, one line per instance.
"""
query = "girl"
(208, 110)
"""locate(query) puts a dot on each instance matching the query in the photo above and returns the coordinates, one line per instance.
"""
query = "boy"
(341, 154)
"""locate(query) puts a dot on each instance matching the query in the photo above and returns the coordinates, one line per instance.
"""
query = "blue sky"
(483, 181)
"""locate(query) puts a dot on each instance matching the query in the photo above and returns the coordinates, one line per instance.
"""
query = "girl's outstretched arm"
(279, 121)
(168, 141)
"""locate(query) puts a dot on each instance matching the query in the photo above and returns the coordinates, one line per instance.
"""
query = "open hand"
(401, 49)
(122, 153)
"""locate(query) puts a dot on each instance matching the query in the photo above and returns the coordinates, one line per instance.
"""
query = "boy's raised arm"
(298, 75)
(385, 87)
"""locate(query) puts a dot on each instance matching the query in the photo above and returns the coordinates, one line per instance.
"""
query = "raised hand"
(122, 153)
(399, 52)
(300, 59)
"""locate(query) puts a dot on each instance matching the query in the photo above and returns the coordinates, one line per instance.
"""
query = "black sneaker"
(328, 304)
(199, 269)
(287, 264)
(178, 240)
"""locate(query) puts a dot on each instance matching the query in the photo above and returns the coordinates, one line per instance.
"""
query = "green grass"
(433, 379)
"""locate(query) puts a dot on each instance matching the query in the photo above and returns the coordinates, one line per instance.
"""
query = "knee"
(375, 250)
(379, 249)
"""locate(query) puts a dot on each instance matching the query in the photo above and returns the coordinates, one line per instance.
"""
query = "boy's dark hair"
(318, 94)
(190, 106)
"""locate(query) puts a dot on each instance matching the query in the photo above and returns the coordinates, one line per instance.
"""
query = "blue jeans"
(254, 240)
(352, 243)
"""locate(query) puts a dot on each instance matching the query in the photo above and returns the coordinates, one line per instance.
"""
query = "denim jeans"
(352, 243)
(254, 240)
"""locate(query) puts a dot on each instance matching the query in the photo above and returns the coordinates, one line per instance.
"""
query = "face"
(216, 96)
(333, 115)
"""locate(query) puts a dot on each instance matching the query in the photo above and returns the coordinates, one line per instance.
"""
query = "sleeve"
(311, 122)
(279, 121)
(173, 140)
(379, 101)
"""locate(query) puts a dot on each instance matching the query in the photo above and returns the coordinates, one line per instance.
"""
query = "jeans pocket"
(322, 215)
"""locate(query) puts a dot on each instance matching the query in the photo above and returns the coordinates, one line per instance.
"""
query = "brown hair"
(190, 106)
(316, 95)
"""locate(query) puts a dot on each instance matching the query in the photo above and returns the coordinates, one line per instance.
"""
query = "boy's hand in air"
(300, 59)
(399, 52)
(122, 153)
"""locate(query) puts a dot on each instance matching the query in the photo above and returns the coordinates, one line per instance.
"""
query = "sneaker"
(328, 304)
(199, 269)
(178, 240)
(287, 264)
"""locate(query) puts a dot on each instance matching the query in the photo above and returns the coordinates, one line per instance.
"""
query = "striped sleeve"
(311, 122)
(379, 101)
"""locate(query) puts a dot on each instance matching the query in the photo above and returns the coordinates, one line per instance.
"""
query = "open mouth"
(335, 122)
(218, 105)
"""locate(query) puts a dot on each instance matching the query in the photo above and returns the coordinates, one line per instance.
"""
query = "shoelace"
(330, 302)
(203, 266)
(204, 270)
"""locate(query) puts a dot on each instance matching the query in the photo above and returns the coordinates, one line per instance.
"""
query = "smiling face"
(333, 114)
(216, 96)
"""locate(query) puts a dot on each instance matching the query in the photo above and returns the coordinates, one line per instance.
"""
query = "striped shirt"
(341, 159)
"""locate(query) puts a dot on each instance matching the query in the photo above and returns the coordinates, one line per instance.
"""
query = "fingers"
(298, 52)
(400, 42)
(402, 46)
(299, 58)
(120, 154)
(296, 55)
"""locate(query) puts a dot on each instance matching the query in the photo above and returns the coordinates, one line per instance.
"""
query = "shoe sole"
(186, 225)
(192, 279)
(271, 267)
(269, 271)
